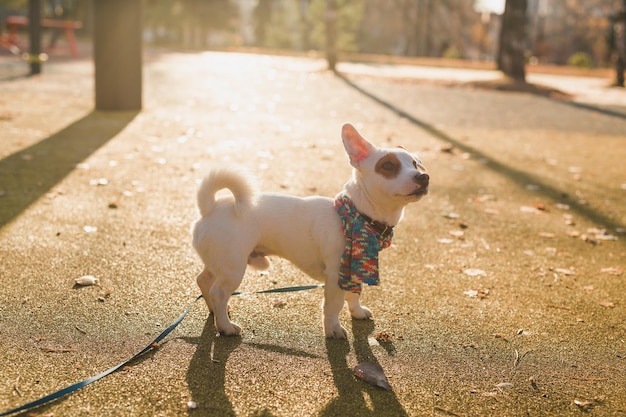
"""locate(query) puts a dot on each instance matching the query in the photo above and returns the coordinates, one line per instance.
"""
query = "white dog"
(335, 241)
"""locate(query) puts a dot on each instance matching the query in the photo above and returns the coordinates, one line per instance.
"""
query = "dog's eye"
(388, 166)
(414, 164)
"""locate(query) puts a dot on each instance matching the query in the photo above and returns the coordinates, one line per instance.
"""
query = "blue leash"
(153, 345)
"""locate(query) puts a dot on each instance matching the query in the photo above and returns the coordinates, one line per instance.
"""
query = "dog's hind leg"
(356, 309)
(219, 295)
(205, 281)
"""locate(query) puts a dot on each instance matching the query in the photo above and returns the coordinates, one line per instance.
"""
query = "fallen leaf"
(486, 197)
(607, 304)
(529, 209)
(565, 271)
(479, 293)
(49, 349)
(383, 336)
(605, 236)
(99, 181)
(589, 239)
(447, 149)
(471, 293)
(452, 215)
(457, 233)
(584, 405)
(547, 235)
(474, 272)
(612, 271)
(373, 374)
(86, 280)
(445, 240)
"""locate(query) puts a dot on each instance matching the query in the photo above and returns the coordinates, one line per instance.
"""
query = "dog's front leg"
(333, 303)
(356, 309)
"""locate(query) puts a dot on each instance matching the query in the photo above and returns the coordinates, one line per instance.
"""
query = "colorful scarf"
(364, 239)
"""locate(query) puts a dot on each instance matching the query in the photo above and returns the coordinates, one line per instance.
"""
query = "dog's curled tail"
(239, 185)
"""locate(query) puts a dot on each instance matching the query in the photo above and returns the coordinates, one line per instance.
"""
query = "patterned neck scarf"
(364, 239)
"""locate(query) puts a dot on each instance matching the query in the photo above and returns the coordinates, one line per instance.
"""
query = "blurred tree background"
(573, 32)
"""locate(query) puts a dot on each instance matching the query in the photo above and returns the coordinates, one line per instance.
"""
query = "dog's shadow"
(354, 394)
(206, 375)
(207, 372)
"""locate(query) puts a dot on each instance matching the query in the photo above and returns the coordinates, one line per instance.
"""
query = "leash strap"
(153, 345)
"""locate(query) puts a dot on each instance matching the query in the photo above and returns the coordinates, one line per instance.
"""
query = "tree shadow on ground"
(509, 85)
(352, 392)
(30, 173)
(520, 177)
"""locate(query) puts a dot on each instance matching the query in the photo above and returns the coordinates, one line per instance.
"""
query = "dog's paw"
(336, 332)
(361, 313)
(230, 330)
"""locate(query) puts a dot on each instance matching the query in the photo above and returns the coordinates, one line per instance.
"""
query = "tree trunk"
(620, 44)
(511, 59)
(331, 34)
(34, 28)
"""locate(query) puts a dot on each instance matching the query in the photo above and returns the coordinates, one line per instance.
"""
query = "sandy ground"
(503, 293)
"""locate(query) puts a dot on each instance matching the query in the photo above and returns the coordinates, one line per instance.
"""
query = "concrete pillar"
(118, 54)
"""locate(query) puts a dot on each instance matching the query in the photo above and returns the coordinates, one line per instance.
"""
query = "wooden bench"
(69, 26)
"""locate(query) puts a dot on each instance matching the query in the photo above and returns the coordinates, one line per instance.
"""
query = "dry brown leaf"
(486, 197)
(86, 280)
(474, 272)
(607, 304)
(373, 374)
(529, 209)
(612, 271)
(479, 293)
(585, 405)
(383, 336)
(457, 233)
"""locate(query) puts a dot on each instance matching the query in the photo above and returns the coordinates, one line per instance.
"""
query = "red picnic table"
(15, 22)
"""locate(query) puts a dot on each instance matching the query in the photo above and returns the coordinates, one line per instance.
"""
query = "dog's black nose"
(422, 179)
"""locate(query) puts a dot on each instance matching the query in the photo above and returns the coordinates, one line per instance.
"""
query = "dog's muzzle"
(422, 180)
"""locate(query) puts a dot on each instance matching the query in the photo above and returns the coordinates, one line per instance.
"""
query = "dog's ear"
(356, 146)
